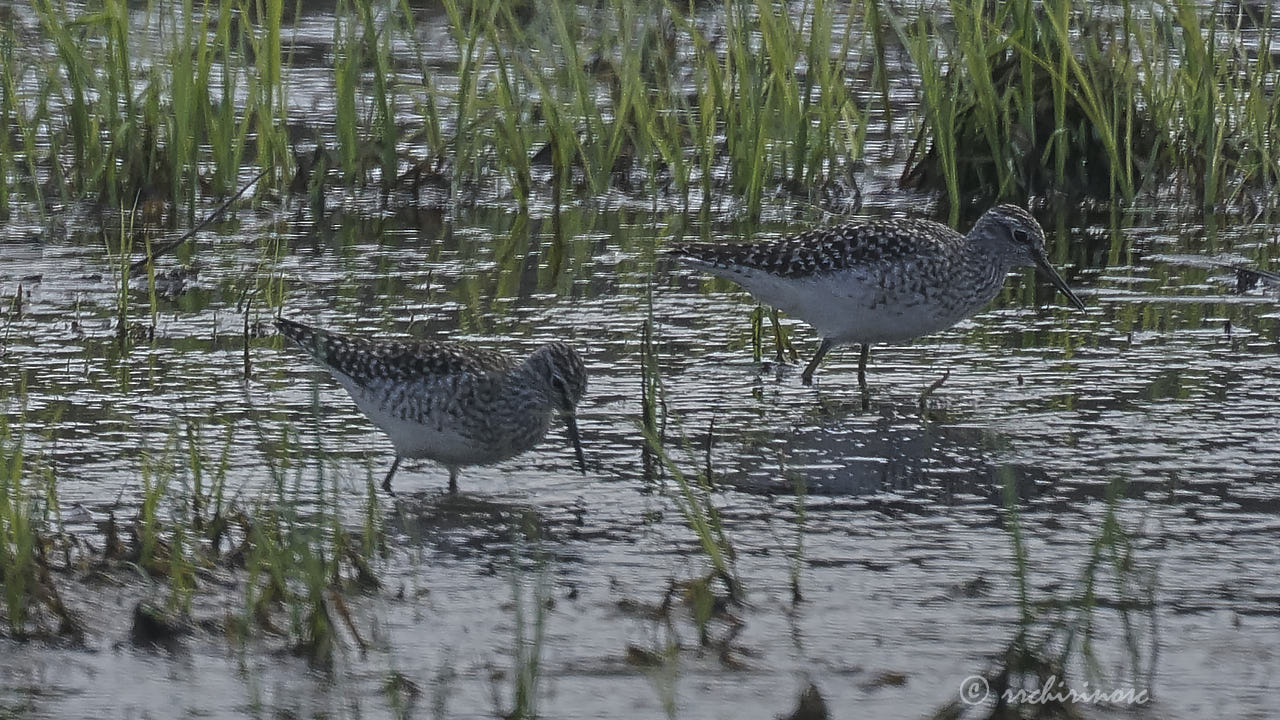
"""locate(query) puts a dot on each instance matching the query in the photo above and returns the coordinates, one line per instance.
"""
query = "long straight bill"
(576, 439)
(1042, 262)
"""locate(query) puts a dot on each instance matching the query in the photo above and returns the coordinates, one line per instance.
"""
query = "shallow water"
(1167, 383)
(906, 569)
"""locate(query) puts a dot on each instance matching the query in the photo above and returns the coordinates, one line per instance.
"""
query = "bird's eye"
(1021, 237)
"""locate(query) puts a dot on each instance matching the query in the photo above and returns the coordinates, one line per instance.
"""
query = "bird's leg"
(807, 376)
(386, 483)
(453, 481)
(780, 341)
(863, 354)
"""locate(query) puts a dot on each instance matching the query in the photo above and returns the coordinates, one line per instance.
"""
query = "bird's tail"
(697, 254)
(353, 361)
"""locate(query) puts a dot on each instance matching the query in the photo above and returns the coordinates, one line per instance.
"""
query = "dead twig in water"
(248, 306)
(169, 247)
(924, 396)
(340, 605)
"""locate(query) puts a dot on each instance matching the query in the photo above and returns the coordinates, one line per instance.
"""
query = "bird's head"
(1016, 238)
(562, 370)
(564, 375)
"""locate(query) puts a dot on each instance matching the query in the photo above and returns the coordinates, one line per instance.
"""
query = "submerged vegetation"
(296, 561)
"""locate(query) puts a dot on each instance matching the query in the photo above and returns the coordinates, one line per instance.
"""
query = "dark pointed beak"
(576, 439)
(1042, 262)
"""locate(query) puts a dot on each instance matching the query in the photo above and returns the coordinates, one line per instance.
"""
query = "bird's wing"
(823, 250)
(368, 363)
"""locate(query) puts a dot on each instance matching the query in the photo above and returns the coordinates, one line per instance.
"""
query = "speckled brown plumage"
(453, 403)
(391, 361)
(827, 250)
(882, 281)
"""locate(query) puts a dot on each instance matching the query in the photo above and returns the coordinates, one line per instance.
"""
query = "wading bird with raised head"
(882, 282)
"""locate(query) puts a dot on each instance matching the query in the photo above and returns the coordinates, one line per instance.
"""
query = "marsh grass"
(652, 412)
(25, 121)
(267, 90)
(1036, 104)
(1220, 96)
(205, 486)
(466, 31)
(1027, 98)
(508, 95)
(18, 534)
(226, 133)
(295, 565)
(693, 495)
(293, 557)
(706, 596)
(7, 120)
(597, 87)
(123, 262)
(29, 530)
(362, 43)
(145, 129)
(156, 474)
(1018, 98)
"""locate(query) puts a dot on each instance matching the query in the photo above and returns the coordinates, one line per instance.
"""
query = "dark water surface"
(1167, 382)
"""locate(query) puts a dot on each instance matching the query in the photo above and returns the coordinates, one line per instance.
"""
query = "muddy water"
(1167, 383)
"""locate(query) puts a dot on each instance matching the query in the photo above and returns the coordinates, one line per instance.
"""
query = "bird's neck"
(986, 267)
(528, 376)
(988, 252)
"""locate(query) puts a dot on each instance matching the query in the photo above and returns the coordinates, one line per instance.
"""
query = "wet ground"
(1168, 383)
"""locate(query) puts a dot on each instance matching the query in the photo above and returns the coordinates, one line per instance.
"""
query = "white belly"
(852, 307)
(436, 439)
(442, 430)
